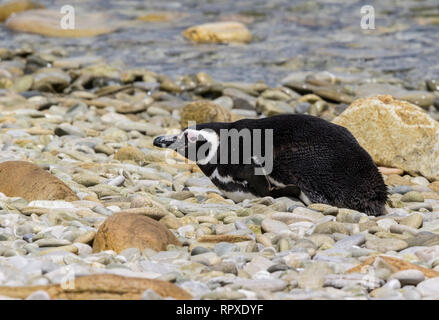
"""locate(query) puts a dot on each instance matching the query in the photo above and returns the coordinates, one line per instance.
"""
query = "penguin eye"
(192, 137)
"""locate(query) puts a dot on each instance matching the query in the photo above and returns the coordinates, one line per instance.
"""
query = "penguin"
(292, 155)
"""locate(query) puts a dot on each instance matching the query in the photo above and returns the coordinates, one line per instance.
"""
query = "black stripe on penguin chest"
(233, 178)
(240, 182)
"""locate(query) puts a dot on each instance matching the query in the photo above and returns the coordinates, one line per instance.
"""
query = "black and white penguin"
(300, 156)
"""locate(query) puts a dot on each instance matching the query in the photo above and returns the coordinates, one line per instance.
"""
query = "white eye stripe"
(210, 137)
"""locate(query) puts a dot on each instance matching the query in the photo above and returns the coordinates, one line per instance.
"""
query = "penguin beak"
(165, 141)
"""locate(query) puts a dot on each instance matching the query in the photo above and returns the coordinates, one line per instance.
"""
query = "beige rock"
(86, 237)
(27, 180)
(144, 205)
(69, 248)
(434, 186)
(384, 245)
(23, 83)
(395, 133)
(395, 264)
(330, 227)
(47, 23)
(313, 277)
(388, 171)
(218, 32)
(396, 180)
(414, 220)
(151, 212)
(161, 16)
(130, 230)
(413, 196)
(224, 238)
(101, 286)
(202, 111)
(171, 222)
(130, 153)
(10, 7)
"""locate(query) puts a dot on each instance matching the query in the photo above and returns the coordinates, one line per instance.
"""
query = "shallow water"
(288, 36)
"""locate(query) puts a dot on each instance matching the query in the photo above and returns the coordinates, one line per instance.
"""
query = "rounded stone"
(414, 220)
(130, 153)
(218, 32)
(47, 23)
(199, 250)
(413, 196)
(429, 287)
(129, 230)
(331, 227)
(39, 295)
(408, 277)
(275, 226)
(27, 180)
(203, 111)
(385, 245)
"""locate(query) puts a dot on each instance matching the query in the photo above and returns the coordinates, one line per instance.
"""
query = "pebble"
(367, 281)
(257, 264)
(224, 248)
(151, 295)
(429, 288)
(52, 242)
(274, 226)
(313, 277)
(38, 295)
(414, 220)
(385, 245)
(410, 293)
(226, 267)
(400, 189)
(412, 196)
(208, 258)
(199, 250)
(347, 242)
(408, 277)
(261, 284)
(386, 293)
(331, 227)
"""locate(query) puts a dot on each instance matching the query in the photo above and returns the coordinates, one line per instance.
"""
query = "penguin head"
(198, 145)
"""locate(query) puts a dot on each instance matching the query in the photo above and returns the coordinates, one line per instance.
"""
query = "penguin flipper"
(261, 184)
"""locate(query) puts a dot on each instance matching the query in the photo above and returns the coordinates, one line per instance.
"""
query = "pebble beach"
(87, 201)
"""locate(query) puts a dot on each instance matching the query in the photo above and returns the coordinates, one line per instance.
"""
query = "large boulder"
(129, 230)
(10, 7)
(395, 133)
(218, 32)
(27, 180)
(100, 287)
(203, 111)
(47, 23)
